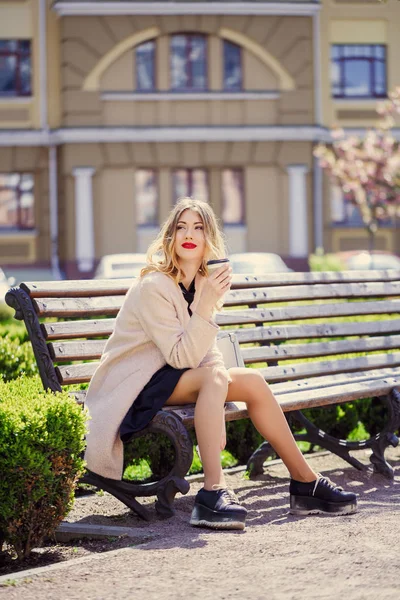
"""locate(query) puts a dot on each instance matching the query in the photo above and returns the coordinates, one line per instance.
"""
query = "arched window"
(145, 66)
(232, 66)
(188, 54)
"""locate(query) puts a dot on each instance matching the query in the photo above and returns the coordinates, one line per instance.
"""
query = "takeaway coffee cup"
(216, 264)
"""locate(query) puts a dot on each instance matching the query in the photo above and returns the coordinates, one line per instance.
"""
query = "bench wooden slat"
(301, 400)
(80, 350)
(311, 292)
(324, 381)
(82, 373)
(306, 311)
(76, 289)
(294, 351)
(78, 307)
(315, 383)
(93, 349)
(65, 330)
(104, 327)
(76, 373)
(110, 305)
(112, 287)
(327, 329)
(275, 279)
(312, 369)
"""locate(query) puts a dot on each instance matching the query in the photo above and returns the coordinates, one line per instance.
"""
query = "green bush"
(16, 330)
(16, 359)
(6, 312)
(41, 441)
(324, 262)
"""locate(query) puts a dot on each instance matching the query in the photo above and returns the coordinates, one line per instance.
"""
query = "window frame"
(241, 172)
(19, 227)
(153, 65)
(240, 88)
(371, 60)
(18, 53)
(155, 172)
(189, 36)
(190, 179)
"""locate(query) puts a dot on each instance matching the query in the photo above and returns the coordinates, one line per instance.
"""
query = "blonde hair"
(161, 255)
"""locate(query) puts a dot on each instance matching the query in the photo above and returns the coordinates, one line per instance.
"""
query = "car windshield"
(257, 265)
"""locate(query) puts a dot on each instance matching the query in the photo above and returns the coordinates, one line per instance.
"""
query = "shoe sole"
(301, 506)
(218, 525)
(206, 517)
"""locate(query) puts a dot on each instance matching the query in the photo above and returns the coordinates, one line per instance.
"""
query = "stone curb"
(66, 532)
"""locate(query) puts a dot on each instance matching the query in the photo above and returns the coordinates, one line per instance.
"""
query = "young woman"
(163, 351)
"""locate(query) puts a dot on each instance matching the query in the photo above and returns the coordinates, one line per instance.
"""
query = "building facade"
(111, 110)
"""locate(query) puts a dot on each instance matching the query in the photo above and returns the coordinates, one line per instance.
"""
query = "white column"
(84, 229)
(298, 218)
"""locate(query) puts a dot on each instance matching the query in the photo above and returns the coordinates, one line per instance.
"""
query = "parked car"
(257, 263)
(120, 266)
(5, 284)
(362, 260)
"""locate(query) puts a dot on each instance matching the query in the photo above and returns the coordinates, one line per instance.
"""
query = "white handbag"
(229, 346)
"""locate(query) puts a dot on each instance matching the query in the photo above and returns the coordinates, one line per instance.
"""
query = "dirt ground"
(278, 556)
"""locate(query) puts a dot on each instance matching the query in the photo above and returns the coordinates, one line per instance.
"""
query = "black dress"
(156, 392)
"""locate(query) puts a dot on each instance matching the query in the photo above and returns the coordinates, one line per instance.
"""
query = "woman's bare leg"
(207, 387)
(248, 385)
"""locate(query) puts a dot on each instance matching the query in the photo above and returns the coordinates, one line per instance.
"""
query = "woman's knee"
(216, 378)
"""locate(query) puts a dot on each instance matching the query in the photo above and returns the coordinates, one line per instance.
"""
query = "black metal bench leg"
(165, 489)
(175, 482)
(257, 459)
(387, 437)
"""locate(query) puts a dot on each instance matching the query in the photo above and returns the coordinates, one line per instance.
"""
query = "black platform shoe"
(218, 509)
(320, 496)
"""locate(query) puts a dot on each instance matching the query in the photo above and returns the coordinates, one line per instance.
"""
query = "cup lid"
(217, 261)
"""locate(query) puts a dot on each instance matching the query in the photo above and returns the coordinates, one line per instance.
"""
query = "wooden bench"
(272, 316)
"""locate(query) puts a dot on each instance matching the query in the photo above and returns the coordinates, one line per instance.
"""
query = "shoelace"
(328, 482)
(228, 492)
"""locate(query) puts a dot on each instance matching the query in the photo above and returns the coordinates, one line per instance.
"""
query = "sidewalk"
(278, 556)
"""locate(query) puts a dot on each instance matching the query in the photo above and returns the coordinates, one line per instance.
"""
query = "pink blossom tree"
(368, 169)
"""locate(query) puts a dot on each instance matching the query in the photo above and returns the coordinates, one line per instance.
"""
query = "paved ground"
(277, 557)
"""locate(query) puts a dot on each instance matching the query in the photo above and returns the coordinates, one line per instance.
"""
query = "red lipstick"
(188, 245)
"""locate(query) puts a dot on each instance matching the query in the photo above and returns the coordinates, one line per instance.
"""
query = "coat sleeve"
(181, 347)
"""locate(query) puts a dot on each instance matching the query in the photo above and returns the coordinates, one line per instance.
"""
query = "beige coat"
(153, 328)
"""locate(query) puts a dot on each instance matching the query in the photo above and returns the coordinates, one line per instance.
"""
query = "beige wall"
(272, 46)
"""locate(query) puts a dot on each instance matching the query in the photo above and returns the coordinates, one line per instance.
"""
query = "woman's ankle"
(304, 476)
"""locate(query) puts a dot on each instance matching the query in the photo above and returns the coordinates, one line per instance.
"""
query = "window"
(190, 182)
(345, 213)
(16, 201)
(146, 197)
(15, 68)
(358, 71)
(232, 67)
(145, 71)
(233, 209)
(188, 62)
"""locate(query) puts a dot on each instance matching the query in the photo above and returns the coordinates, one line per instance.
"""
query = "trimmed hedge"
(41, 442)
(16, 359)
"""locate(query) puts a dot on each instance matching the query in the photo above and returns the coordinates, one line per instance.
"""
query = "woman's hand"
(214, 287)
